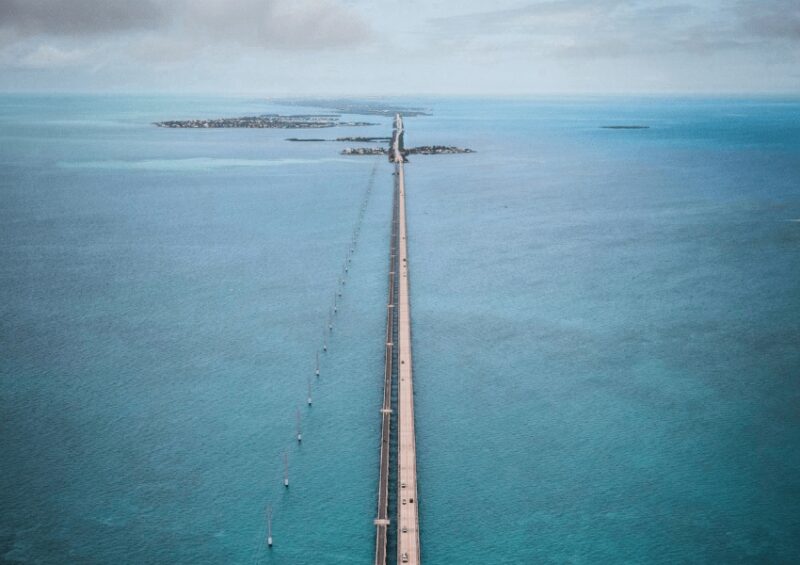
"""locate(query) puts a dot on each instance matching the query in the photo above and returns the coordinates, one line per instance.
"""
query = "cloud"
(533, 17)
(277, 24)
(621, 28)
(611, 29)
(79, 17)
(774, 19)
(48, 57)
(271, 24)
(340, 45)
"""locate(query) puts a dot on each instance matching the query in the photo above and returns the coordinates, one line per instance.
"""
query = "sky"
(371, 47)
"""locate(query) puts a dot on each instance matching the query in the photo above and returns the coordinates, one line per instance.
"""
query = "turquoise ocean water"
(606, 333)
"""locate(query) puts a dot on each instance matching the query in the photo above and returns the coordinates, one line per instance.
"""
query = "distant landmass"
(625, 127)
(361, 107)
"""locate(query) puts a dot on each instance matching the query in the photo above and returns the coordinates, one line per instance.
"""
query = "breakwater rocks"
(276, 121)
(422, 150)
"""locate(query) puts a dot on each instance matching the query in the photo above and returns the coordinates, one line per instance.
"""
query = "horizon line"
(486, 95)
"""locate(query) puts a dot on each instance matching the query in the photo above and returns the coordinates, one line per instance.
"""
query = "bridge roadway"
(408, 549)
(398, 341)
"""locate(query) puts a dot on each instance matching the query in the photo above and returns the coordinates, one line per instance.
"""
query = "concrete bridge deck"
(408, 548)
(398, 341)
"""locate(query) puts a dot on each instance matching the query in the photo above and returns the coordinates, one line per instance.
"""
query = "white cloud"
(79, 17)
(357, 46)
(277, 24)
(44, 56)
(271, 24)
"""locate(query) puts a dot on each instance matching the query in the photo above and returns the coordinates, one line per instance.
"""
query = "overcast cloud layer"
(360, 47)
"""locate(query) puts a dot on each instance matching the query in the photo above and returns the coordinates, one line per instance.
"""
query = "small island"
(358, 139)
(364, 139)
(436, 150)
(365, 151)
(273, 121)
(422, 150)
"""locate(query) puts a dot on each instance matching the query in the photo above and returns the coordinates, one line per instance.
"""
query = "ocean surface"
(606, 332)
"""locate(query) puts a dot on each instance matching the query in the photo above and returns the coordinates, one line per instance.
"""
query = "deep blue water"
(606, 330)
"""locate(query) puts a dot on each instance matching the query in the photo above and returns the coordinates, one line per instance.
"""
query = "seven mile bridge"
(398, 362)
